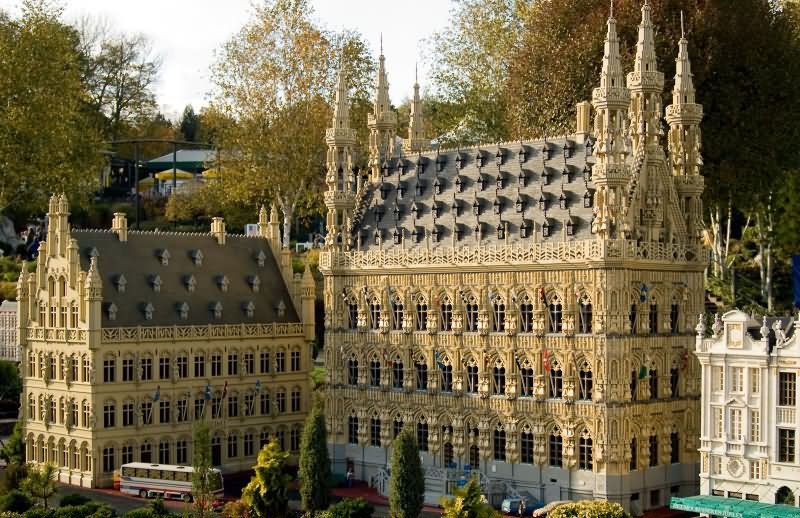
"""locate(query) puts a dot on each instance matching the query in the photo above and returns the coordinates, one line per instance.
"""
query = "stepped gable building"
(129, 337)
(527, 307)
(749, 432)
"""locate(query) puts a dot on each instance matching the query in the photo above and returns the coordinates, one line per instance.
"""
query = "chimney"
(584, 124)
(218, 230)
(119, 225)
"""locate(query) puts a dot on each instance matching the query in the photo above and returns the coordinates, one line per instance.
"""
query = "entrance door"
(216, 451)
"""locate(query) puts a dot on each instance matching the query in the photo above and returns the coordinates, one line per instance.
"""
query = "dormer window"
(401, 190)
(499, 157)
(379, 214)
(164, 256)
(545, 152)
(545, 229)
(420, 187)
(197, 257)
(420, 165)
(183, 311)
(459, 184)
(501, 231)
(570, 227)
(93, 252)
(249, 309)
(587, 200)
(414, 209)
(479, 159)
(480, 182)
(397, 235)
(589, 147)
(567, 173)
(148, 311)
(280, 309)
(436, 234)
(499, 181)
(498, 206)
(545, 177)
(587, 172)
(459, 233)
(415, 235)
(377, 237)
(401, 166)
(524, 230)
(156, 283)
(223, 283)
(112, 311)
(476, 208)
(522, 179)
(216, 309)
(255, 283)
(519, 205)
(435, 210)
(542, 202)
(459, 161)
(567, 149)
(477, 230)
(440, 161)
(456, 208)
(523, 155)
(122, 283)
(190, 282)
(396, 211)
(437, 186)
(384, 191)
(261, 258)
(562, 201)
(385, 168)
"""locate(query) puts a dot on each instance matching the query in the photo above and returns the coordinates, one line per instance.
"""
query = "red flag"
(225, 390)
(685, 359)
(546, 360)
(541, 294)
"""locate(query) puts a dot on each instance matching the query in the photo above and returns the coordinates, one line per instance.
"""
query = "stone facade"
(129, 337)
(526, 307)
(9, 345)
(749, 430)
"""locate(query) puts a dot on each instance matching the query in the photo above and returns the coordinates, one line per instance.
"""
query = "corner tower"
(416, 141)
(382, 123)
(646, 84)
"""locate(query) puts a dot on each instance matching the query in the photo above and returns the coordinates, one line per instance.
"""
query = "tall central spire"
(382, 102)
(646, 84)
(645, 46)
(416, 126)
(611, 73)
(683, 92)
(341, 109)
(382, 123)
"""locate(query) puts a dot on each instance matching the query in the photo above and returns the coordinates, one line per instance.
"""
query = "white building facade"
(749, 424)
(9, 344)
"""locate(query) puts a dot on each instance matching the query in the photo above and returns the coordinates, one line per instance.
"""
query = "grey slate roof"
(408, 197)
(139, 261)
(199, 156)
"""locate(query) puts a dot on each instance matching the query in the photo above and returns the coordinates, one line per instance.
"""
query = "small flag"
(258, 386)
(439, 364)
(157, 395)
(685, 359)
(225, 390)
(643, 293)
(642, 372)
(546, 360)
(207, 392)
(541, 294)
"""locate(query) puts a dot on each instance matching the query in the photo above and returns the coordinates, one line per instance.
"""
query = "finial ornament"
(611, 12)
(764, 328)
(716, 327)
(683, 34)
(701, 325)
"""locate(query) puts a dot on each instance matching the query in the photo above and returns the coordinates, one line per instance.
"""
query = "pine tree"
(201, 464)
(315, 465)
(267, 493)
(407, 483)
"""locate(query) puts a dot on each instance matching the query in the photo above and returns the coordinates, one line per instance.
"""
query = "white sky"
(186, 34)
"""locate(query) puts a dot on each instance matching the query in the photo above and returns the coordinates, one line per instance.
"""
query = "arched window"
(556, 385)
(422, 434)
(471, 309)
(447, 374)
(585, 315)
(634, 464)
(526, 315)
(375, 313)
(475, 456)
(397, 373)
(472, 377)
(397, 425)
(653, 444)
(397, 313)
(674, 317)
(653, 317)
(374, 372)
(375, 430)
(446, 310)
(585, 451)
(674, 448)
(634, 384)
(422, 313)
(633, 318)
(499, 379)
(447, 455)
(422, 374)
(653, 383)
(499, 314)
(785, 496)
(526, 378)
(674, 378)
(352, 371)
(554, 312)
(526, 445)
(352, 314)
(585, 382)
(555, 454)
(500, 443)
(352, 429)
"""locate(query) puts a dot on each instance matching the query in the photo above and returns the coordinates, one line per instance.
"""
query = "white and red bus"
(163, 481)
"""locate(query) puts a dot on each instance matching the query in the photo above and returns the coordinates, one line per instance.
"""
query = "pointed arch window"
(446, 311)
(352, 314)
(585, 315)
(397, 373)
(352, 429)
(653, 318)
(421, 369)
(374, 372)
(526, 378)
(674, 378)
(674, 314)
(526, 314)
(472, 377)
(526, 445)
(634, 449)
(555, 313)
(585, 453)
(397, 313)
(471, 309)
(422, 314)
(422, 434)
(633, 318)
(499, 314)
(653, 382)
(585, 382)
(500, 443)
(499, 379)
(555, 454)
(556, 386)
(375, 431)
(352, 371)
(374, 313)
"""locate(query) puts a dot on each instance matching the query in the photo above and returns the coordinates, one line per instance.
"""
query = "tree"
(315, 465)
(201, 469)
(589, 509)
(407, 482)
(273, 86)
(10, 382)
(468, 503)
(41, 482)
(48, 141)
(13, 451)
(189, 124)
(267, 492)
(351, 508)
(236, 509)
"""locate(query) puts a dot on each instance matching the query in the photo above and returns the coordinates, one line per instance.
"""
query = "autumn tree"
(467, 502)
(267, 492)
(48, 140)
(273, 86)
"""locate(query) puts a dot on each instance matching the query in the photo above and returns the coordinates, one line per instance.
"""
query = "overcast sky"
(186, 34)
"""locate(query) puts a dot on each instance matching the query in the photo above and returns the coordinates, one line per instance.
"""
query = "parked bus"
(163, 481)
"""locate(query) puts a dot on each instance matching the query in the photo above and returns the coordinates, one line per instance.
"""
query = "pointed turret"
(382, 123)
(646, 84)
(416, 141)
(341, 109)
(610, 101)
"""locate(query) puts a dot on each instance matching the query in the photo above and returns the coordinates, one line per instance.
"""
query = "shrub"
(9, 514)
(236, 509)
(15, 474)
(74, 499)
(16, 501)
(351, 508)
(589, 509)
(142, 512)
(38, 512)
(103, 511)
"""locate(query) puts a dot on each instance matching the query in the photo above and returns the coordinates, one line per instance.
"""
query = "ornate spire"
(341, 109)
(645, 47)
(683, 92)
(611, 72)
(646, 84)
(382, 123)
(416, 126)
(382, 103)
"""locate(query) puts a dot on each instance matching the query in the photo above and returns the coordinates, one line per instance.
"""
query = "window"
(718, 422)
(147, 369)
(499, 314)
(718, 379)
(526, 315)
(585, 457)
(74, 365)
(163, 411)
(127, 369)
(499, 380)
(249, 442)
(755, 426)
(147, 412)
(397, 374)
(786, 445)
(32, 407)
(674, 448)
(280, 361)
(280, 435)
(352, 429)
(375, 314)
(53, 310)
(632, 318)
(54, 369)
(554, 322)
(199, 366)
(74, 316)
(585, 316)
(585, 383)
(233, 406)
(182, 366)
(474, 456)
(472, 315)
(526, 446)
(181, 452)
(737, 379)
(422, 315)
(500, 444)
(216, 407)
(182, 410)
(755, 469)
(85, 415)
(422, 436)
(755, 381)
(352, 371)
(32, 365)
(653, 318)
(653, 382)
(374, 373)
(674, 376)
(555, 453)
(736, 424)
(216, 364)
(108, 371)
(787, 389)
(127, 454)
(375, 432)
(673, 319)
(109, 415)
(294, 440)
(422, 375)
(163, 453)
(526, 375)
(295, 400)
(556, 383)
(352, 315)
(108, 460)
(472, 378)
(397, 315)
(294, 361)
(447, 378)
(634, 465)
(447, 316)
(233, 364)
(233, 446)
(264, 403)
(199, 406)
(280, 401)
(264, 362)
(653, 450)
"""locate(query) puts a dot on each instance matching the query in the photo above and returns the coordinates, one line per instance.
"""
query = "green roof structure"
(732, 507)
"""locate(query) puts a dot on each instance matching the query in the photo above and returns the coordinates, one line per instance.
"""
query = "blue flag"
(258, 385)
(796, 279)
(157, 395)
(207, 392)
